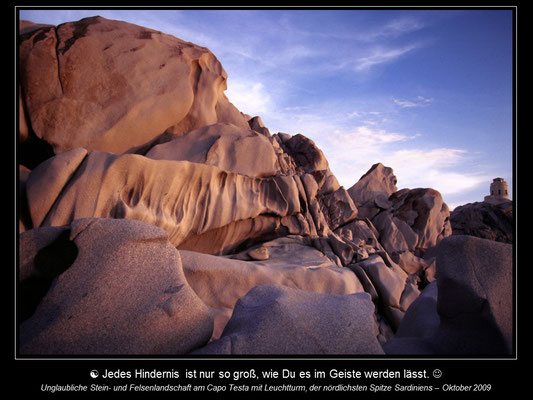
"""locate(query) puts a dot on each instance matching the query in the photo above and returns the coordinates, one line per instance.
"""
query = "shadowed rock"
(43, 255)
(469, 310)
(484, 220)
(125, 293)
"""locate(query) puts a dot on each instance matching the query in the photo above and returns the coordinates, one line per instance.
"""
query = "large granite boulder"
(226, 146)
(393, 288)
(475, 299)
(273, 319)
(469, 310)
(292, 262)
(425, 212)
(408, 221)
(111, 86)
(124, 292)
(372, 190)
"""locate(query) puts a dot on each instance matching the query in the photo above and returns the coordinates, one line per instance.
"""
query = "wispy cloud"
(351, 152)
(379, 55)
(419, 101)
(394, 28)
(366, 136)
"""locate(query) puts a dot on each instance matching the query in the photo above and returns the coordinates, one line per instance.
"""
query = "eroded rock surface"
(124, 293)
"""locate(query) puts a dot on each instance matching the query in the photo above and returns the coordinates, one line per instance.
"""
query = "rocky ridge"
(156, 218)
(484, 220)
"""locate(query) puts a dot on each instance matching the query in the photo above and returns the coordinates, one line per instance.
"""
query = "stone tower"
(499, 192)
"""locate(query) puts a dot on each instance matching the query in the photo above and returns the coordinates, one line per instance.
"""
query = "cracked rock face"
(93, 82)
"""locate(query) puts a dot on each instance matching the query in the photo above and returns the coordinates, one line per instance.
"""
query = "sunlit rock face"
(110, 85)
(143, 189)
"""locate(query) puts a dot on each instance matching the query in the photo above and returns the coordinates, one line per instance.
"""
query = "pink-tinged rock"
(293, 262)
(425, 212)
(110, 85)
(379, 181)
(226, 146)
(185, 199)
(46, 183)
(256, 123)
(338, 208)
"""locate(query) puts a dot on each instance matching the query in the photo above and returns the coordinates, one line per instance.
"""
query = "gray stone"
(421, 319)
(125, 293)
(272, 319)
(475, 295)
(388, 282)
(469, 309)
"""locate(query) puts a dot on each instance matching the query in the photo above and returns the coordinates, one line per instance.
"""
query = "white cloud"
(420, 101)
(365, 136)
(351, 153)
(249, 97)
(363, 114)
(443, 169)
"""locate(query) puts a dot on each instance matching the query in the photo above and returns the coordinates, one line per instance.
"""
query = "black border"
(502, 371)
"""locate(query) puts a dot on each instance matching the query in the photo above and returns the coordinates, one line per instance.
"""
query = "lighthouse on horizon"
(499, 192)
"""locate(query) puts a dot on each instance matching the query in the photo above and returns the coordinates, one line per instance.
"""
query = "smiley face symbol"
(437, 373)
(94, 373)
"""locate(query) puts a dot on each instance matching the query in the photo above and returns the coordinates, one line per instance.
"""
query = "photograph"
(227, 200)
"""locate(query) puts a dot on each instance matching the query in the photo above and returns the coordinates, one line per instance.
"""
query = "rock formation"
(490, 219)
(468, 310)
(309, 321)
(484, 220)
(156, 218)
(111, 86)
(108, 301)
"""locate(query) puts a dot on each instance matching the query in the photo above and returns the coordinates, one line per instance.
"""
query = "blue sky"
(427, 92)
